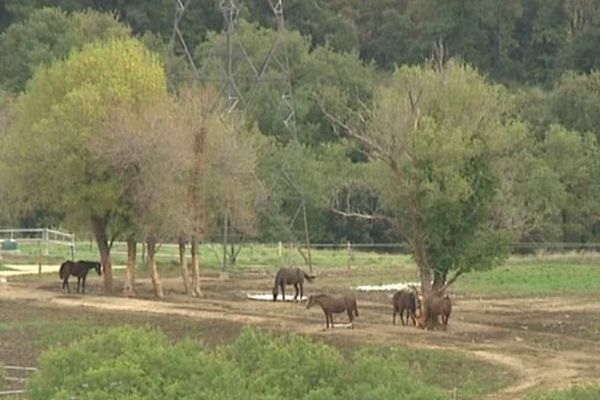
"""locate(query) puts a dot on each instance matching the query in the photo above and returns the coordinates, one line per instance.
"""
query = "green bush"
(575, 393)
(134, 364)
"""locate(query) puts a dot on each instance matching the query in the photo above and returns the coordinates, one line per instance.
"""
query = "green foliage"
(126, 363)
(438, 164)
(48, 153)
(47, 35)
(576, 393)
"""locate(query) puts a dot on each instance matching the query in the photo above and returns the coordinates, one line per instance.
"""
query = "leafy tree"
(6, 116)
(332, 75)
(222, 182)
(574, 158)
(66, 105)
(49, 34)
(142, 149)
(437, 138)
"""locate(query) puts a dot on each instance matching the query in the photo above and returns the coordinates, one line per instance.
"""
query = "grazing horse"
(79, 269)
(434, 305)
(405, 300)
(334, 305)
(290, 276)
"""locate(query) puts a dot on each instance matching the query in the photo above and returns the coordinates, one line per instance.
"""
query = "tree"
(436, 136)
(49, 34)
(222, 178)
(65, 106)
(6, 117)
(142, 148)
(574, 158)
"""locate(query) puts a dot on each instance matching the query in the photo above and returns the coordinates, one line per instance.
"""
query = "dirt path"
(528, 336)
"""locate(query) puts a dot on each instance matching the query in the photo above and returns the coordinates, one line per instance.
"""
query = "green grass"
(576, 393)
(533, 278)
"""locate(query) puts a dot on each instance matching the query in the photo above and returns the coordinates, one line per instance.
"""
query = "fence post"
(45, 238)
(280, 252)
(349, 248)
(40, 259)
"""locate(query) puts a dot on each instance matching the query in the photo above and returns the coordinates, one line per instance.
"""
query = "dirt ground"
(547, 342)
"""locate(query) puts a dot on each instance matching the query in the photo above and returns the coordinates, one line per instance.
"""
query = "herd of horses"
(424, 312)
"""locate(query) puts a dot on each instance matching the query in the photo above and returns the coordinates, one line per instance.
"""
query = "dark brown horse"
(334, 305)
(405, 300)
(79, 269)
(435, 305)
(290, 276)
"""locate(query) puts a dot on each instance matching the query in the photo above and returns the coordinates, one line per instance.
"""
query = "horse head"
(98, 268)
(310, 302)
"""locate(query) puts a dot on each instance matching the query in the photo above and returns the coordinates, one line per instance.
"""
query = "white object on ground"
(269, 296)
(390, 286)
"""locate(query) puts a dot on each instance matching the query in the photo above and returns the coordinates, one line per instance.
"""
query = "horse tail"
(64, 270)
(309, 277)
(277, 279)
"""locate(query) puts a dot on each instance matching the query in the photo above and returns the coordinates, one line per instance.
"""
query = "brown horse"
(290, 276)
(334, 305)
(405, 300)
(79, 269)
(434, 305)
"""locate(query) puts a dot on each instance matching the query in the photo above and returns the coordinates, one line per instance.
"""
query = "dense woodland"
(459, 127)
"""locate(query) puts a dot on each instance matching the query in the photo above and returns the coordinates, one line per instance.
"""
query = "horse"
(334, 305)
(290, 276)
(405, 300)
(434, 305)
(79, 269)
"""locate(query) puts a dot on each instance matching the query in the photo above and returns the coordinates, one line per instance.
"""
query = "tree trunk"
(196, 292)
(419, 244)
(99, 228)
(439, 281)
(154, 276)
(185, 273)
(131, 264)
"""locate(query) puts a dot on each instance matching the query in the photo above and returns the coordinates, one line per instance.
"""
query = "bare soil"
(547, 342)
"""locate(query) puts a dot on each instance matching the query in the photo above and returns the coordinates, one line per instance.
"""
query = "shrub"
(136, 364)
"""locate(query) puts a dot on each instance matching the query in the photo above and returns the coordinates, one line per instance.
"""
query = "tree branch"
(372, 217)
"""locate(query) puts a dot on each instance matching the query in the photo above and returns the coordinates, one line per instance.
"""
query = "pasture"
(524, 328)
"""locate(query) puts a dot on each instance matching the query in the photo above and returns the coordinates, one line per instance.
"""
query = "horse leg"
(412, 316)
(78, 283)
(326, 320)
(83, 285)
(282, 286)
(351, 318)
(301, 292)
(394, 317)
(66, 283)
(402, 317)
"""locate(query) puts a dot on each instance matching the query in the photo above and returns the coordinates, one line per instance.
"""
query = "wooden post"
(280, 252)
(225, 223)
(40, 259)
(349, 248)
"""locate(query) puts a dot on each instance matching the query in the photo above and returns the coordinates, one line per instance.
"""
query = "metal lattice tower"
(276, 60)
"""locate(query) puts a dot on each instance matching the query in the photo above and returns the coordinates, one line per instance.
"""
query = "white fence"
(41, 236)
